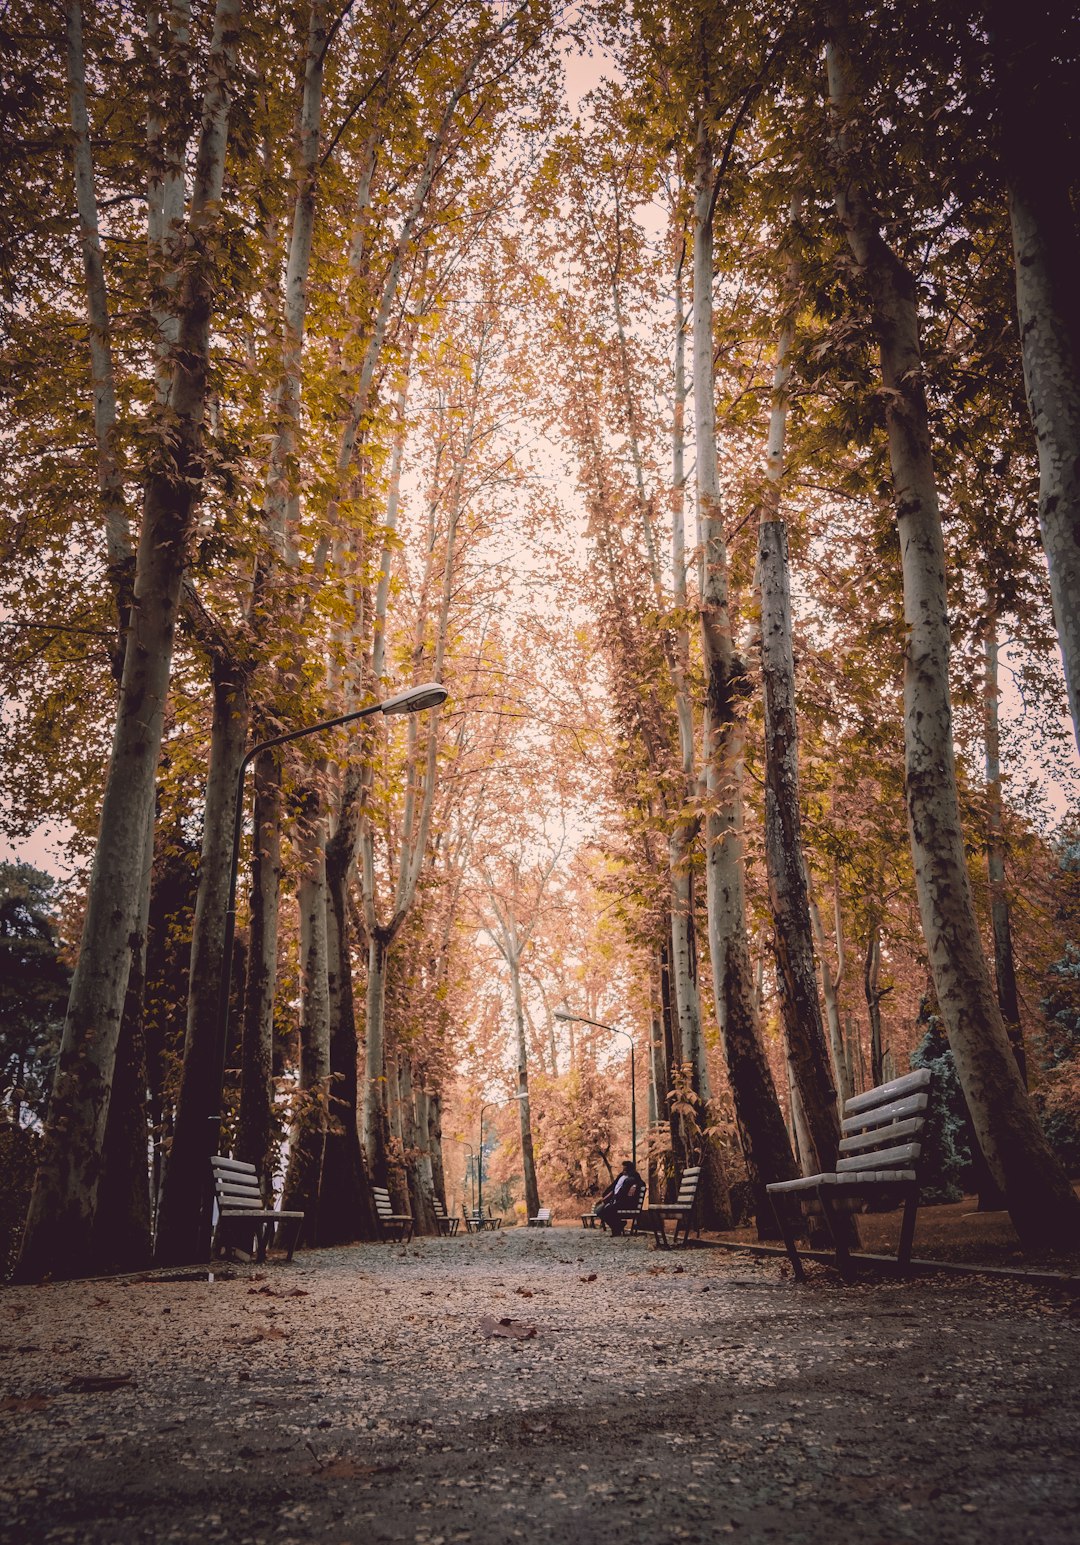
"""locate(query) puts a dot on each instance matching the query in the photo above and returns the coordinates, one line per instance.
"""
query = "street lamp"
(488, 1105)
(428, 694)
(583, 1019)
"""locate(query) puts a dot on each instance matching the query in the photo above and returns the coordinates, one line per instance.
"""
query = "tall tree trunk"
(375, 1129)
(59, 1224)
(257, 1136)
(1035, 98)
(785, 863)
(528, 1162)
(122, 1227)
(830, 993)
(784, 860)
(303, 1182)
(873, 994)
(1004, 969)
(414, 1145)
(120, 553)
(435, 1149)
(346, 1210)
(761, 1122)
(1041, 1202)
(184, 1221)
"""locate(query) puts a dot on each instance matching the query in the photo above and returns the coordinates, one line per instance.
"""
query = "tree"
(1040, 1201)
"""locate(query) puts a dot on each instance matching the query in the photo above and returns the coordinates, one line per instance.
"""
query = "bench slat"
(235, 1166)
(883, 1115)
(848, 1178)
(884, 1094)
(864, 1140)
(903, 1156)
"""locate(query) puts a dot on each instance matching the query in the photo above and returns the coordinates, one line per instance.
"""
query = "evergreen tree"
(946, 1153)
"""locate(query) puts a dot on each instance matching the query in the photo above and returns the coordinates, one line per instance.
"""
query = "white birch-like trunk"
(1041, 1202)
(59, 1225)
(767, 1150)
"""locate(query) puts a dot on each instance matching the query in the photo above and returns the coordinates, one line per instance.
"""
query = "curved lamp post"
(428, 694)
(583, 1019)
(488, 1105)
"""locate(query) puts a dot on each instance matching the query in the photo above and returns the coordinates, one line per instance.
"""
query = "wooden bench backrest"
(543, 1214)
(882, 1129)
(440, 1210)
(236, 1185)
(688, 1186)
(383, 1205)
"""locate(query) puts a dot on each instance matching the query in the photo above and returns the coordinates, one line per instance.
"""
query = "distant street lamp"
(488, 1105)
(428, 694)
(583, 1019)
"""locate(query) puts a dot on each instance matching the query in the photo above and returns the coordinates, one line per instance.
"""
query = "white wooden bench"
(542, 1219)
(243, 1221)
(655, 1219)
(879, 1152)
(447, 1224)
(392, 1225)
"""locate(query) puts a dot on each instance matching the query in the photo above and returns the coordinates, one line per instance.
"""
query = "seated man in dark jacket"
(623, 1196)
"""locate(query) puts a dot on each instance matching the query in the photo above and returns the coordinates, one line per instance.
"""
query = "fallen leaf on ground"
(590, 1278)
(95, 1383)
(518, 1330)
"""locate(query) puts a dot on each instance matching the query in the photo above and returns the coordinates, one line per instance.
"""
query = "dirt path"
(662, 1397)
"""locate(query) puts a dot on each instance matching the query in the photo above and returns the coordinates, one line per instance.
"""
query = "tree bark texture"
(1040, 1200)
(788, 893)
(345, 1209)
(1035, 96)
(184, 1221)
(303, 1181)
(122, 1225)
(1000, 922)
(60, 1220)
(376, 1122)
(528, 1161)
(761, 1122)
(120, 552)
(256, 1140)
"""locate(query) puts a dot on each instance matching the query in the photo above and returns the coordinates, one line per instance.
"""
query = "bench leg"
(843, 1257)
(782, 1211)
(907, 1231)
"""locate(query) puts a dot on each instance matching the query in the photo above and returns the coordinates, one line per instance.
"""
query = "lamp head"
(428, 694)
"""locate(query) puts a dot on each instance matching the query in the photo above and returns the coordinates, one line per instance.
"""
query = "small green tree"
(946, 1159)
(34, 983)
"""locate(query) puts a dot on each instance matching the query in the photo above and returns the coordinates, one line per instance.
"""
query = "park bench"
(655, 1219)
(392, 1225)
(243, 1221)
(447, 1224)
(879, 1151)
(542, 1219)
(476, 1222)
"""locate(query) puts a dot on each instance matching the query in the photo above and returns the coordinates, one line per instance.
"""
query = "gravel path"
(361, 1395)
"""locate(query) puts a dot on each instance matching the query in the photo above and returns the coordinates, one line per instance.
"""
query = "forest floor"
(376, 1393)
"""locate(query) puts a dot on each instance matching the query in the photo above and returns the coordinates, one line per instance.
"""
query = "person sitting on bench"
(620, 1198)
